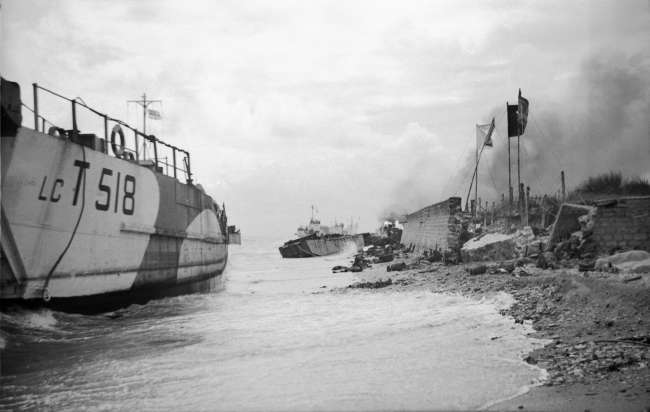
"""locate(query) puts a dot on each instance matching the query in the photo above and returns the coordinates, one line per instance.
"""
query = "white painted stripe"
(90, 285)
(185, 273)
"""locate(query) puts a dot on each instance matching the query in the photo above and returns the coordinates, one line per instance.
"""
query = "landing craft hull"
(84, 231)
(312, 246)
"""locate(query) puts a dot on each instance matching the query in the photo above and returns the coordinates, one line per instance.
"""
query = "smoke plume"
(600, 124)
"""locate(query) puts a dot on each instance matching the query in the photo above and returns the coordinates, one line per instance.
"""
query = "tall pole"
(476, 182)
(35, 86)
(509, 178)
(144, 113)
(519, 195)
(144, 103)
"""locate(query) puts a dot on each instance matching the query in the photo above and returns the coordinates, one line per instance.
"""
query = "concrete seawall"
(437, 226)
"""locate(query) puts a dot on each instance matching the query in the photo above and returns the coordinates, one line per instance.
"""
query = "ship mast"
(145, 104)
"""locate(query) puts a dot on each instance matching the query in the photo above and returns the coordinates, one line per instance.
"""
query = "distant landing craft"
(316, 240)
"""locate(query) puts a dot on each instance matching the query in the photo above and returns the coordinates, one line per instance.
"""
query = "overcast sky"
(357, 107)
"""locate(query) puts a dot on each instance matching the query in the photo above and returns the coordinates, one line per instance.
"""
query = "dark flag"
(523, 113)
(518, 117)
(513, 120)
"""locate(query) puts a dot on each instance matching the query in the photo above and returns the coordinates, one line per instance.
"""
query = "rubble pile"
(530, 244)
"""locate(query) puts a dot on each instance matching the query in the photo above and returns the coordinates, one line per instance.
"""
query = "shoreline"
(597, 325)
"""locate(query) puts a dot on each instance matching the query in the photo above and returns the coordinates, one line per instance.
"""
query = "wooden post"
(485, 213)
(563, 187)
(521, 203)
(105, 134)
(509, 179)
(526, 204)
(35, 87)
(74, 118)
(494, 207)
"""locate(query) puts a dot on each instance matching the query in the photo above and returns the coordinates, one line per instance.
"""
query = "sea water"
(277, 338)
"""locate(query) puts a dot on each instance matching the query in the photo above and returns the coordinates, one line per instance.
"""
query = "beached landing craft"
(86, 230)
(316, 240)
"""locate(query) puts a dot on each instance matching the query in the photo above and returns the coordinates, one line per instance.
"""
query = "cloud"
(353, 106)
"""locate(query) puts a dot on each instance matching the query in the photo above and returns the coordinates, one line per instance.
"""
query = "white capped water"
(274, 339)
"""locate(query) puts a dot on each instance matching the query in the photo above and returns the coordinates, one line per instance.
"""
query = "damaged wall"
(623, 224)
(437, 226)
(566, 221)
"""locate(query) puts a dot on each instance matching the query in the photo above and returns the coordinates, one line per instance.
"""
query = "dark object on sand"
(586, 265)
(477, 270)
(372, 285)
(385, 258)
(433, 256)
(396, 266)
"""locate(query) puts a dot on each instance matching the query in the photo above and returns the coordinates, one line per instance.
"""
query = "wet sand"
(598, 325)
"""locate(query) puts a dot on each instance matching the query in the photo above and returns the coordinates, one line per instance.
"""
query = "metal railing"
(134, 153)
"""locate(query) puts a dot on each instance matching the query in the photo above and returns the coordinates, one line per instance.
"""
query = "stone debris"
(633, 261)
(491, 246)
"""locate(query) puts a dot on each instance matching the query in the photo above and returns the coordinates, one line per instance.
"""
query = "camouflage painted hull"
(311, 246)
(86, 232)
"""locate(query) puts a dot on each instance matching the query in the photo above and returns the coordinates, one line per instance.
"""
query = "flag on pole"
(513, 123)
(523, 112)
(484, 133)
(154, 114)
(518, 116)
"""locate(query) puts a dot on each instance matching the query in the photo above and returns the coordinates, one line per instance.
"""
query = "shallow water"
(274, 339)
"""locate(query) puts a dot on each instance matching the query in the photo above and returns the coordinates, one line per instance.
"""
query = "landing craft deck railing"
(134, 153)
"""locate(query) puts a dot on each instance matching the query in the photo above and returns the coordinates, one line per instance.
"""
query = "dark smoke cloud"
(599, 125)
